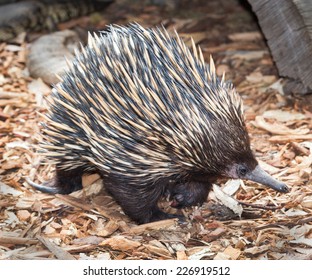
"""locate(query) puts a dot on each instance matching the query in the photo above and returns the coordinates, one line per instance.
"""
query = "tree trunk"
(287, 26)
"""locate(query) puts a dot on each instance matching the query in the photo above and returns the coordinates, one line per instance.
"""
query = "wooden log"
(287, 26)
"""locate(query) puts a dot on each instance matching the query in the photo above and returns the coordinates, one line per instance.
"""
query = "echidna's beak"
(260, 176)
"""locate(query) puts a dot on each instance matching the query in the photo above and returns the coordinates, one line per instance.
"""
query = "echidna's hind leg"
(139, 203)
(64, 182)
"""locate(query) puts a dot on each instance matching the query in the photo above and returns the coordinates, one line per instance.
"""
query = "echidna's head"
(238, 160)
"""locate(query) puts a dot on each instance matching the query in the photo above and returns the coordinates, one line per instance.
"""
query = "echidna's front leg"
(64, 182)
(189, 194)
(138, 202)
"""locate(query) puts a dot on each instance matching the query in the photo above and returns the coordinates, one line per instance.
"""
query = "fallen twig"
(17, 240)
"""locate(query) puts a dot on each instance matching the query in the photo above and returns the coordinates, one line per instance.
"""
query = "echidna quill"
(149, 115)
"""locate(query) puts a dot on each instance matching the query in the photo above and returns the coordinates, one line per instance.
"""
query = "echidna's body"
(142, 110)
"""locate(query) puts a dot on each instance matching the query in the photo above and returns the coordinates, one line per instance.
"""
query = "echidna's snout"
(260, 176)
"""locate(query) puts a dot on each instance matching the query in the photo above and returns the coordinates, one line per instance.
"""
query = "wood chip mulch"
(90, 225)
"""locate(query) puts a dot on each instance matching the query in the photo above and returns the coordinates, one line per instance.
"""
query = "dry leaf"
(231, 186)
(227, 200)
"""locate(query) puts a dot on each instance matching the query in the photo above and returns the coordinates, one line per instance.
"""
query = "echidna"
(149, 115)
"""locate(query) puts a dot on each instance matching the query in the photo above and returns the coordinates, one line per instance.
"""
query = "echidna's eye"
(242, 171)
